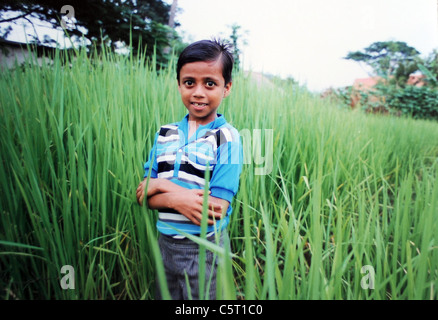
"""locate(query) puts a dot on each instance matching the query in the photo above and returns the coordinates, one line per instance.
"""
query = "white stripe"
(200, 166)
(166, 157)
(227, 135)
(170, 126)
(202, 156)
(172, 137)
(172, 217)
(211, 139)
(196, 165)
(192, 178)
(165, 175)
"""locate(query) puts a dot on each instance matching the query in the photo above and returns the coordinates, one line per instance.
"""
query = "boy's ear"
(227, 89)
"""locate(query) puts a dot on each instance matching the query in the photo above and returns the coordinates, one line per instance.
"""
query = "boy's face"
(202, 88)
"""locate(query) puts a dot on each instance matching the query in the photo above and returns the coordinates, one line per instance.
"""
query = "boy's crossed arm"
(164, 194)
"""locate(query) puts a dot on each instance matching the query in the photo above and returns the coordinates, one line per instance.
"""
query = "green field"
(344, 190)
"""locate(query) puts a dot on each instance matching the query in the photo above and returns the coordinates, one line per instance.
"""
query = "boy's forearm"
(160, 201)
(158, 185)
(190, 204)
(160, 193)
(163, 201)
(163, 194)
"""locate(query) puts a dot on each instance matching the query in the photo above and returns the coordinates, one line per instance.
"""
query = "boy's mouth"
(198, 106)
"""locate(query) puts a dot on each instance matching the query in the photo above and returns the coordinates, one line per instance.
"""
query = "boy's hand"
(190, 204)
(141, 190)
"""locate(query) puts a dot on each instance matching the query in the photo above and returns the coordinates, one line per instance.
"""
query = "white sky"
(307, 39)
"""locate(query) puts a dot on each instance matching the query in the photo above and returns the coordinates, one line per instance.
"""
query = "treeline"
(144, 27)
(405, 83)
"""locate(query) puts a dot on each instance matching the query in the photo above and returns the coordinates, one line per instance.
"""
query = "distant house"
(12, 52)
(364, 85)
(416, 80)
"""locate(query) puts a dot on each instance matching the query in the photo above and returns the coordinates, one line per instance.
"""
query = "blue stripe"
(166, 227)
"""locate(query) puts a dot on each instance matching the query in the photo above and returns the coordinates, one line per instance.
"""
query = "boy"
(181, 155)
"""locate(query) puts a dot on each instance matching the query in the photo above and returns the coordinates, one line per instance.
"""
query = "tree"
(395, 61)
(392, 60)
(173, 9)
(128, 21)
(237, 40)
(431, 64)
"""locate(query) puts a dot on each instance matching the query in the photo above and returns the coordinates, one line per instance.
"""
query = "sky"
(307, 39)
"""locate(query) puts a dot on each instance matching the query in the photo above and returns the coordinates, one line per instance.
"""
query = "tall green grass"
(346, 190)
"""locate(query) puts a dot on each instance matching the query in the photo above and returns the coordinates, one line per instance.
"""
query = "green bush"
(418, 102)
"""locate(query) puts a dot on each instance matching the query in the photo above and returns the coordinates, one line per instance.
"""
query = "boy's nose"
(199, 91)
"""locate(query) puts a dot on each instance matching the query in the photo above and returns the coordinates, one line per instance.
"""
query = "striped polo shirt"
(215, 147)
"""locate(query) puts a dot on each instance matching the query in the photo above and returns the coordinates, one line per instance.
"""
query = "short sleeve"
(224, 182)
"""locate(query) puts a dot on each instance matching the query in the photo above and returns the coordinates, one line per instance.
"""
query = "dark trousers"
(181, 265)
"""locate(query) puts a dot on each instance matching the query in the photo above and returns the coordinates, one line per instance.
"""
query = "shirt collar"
(216, 123)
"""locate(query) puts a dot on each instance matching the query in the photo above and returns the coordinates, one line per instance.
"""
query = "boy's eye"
(210, 84)
(188, 83)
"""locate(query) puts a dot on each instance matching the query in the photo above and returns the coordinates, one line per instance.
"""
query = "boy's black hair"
(208, 50)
